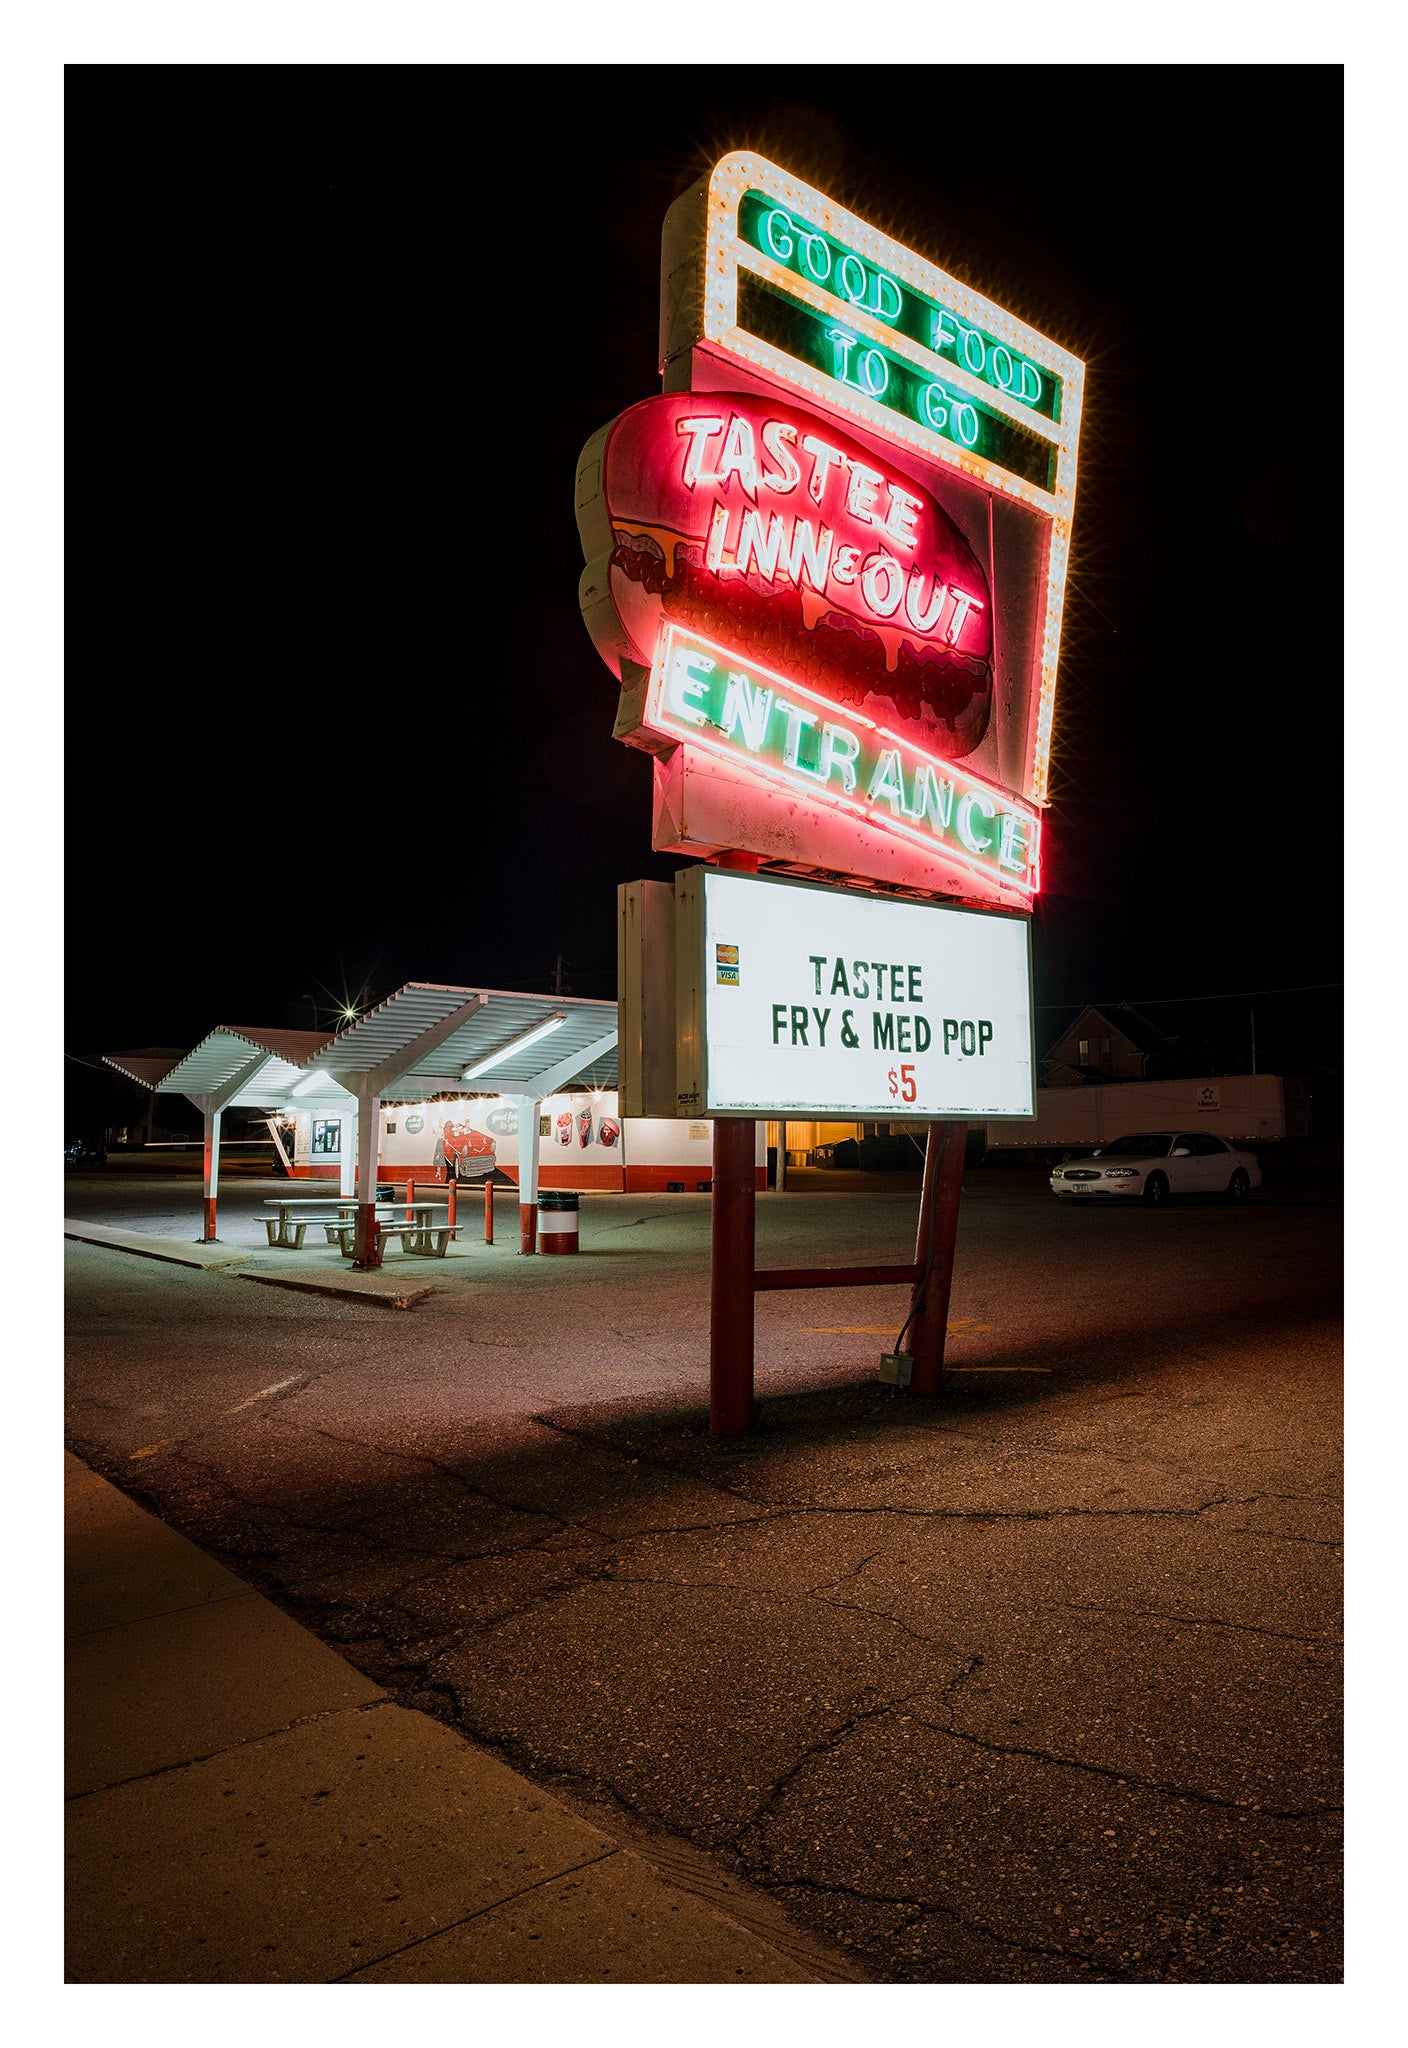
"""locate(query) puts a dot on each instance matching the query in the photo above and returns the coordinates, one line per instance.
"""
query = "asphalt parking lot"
(1035, 1681)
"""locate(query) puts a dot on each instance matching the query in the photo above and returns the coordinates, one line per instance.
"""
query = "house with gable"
(1120, 1044)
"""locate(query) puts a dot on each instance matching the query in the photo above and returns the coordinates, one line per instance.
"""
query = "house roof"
(1120, 1020)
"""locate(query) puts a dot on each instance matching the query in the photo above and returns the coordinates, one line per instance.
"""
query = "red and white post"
(528, 1111)
(366, 1245)
(211, 1120)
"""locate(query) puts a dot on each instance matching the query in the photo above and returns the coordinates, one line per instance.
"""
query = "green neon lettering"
(689, 678)
(965, 421)
(874, 371)
(887, 784)
(797, 721)
(769, 235)
(747, 709)
(941, 334)
(840, 749)
(854, 292)
(930, 411)
(842, 344)
(1033, 396)
(1012, 844)
(973, 800)
(1000, 356)
(970, 336)
(810, 242)
(883, 312)
(932, 798)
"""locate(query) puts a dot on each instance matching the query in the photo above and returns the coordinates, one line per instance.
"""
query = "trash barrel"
(557, 1223)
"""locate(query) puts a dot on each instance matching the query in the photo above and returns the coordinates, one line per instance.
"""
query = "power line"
(1236, 995)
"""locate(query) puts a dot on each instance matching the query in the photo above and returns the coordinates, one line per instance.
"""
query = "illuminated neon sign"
(862, 286)
(760, 268)
(793, 545)
(703, 695)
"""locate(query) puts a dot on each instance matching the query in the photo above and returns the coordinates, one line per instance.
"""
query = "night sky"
(336, 340)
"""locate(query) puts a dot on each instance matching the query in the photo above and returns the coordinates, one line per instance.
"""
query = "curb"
(170, 1250)
(382, 1297)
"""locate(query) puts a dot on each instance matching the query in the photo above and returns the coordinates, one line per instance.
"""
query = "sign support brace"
(734, 1278)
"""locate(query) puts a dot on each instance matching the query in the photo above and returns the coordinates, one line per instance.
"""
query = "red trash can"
(557, 1223)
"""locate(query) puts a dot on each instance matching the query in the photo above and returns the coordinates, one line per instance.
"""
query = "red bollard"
(210, 1221)
(366, 1244)
(731, 1277)
(488, 1212)
(938, 1229)
(453, 1190)
(410, 1198)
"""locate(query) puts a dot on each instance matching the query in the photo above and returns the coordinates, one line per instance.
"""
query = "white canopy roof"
(243, 1064)
(431, 1038)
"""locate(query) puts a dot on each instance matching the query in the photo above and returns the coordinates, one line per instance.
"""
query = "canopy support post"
(529, 1108)
(211, 1119)
(366, 1245)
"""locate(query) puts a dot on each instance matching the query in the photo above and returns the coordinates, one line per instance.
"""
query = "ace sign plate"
(798, 1000)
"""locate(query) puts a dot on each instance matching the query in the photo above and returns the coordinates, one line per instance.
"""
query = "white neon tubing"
(515, 1045)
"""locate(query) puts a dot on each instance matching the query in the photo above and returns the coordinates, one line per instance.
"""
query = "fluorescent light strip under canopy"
(514, 1045)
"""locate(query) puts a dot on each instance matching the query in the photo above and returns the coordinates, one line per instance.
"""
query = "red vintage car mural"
(464, 1153)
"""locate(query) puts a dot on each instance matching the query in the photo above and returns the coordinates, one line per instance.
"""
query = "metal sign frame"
(705, 256)
(691, 1038)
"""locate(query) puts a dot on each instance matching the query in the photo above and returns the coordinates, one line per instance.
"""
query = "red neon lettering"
(739, 456)
(776, 435)
(699, 430)
(753, 546)
(860, 498)
(824, 456)
(810, 552)
(923, 620)
(962, 605)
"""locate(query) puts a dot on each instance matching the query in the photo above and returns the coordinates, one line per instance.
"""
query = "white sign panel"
(819, 1001)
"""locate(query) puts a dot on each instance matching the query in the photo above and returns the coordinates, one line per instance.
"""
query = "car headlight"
(1121, 1173)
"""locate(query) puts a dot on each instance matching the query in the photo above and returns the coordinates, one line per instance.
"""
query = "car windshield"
(1139, 1145)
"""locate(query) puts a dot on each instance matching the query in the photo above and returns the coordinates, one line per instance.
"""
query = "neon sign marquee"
(701, 694)
(761, 268)
(779, 536)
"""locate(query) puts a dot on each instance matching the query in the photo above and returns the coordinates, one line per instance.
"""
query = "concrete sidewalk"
(244, 1807)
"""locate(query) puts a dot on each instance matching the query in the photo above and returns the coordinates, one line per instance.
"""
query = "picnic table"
(286, 1229)
(419, 1234)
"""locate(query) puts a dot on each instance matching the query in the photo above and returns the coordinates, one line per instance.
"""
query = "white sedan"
(1156, 1164)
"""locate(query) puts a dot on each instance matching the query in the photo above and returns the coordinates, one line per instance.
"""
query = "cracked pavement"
(1035, 1682)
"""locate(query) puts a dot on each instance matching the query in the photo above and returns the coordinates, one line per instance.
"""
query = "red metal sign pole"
(731, 1277)
(933, 1253)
